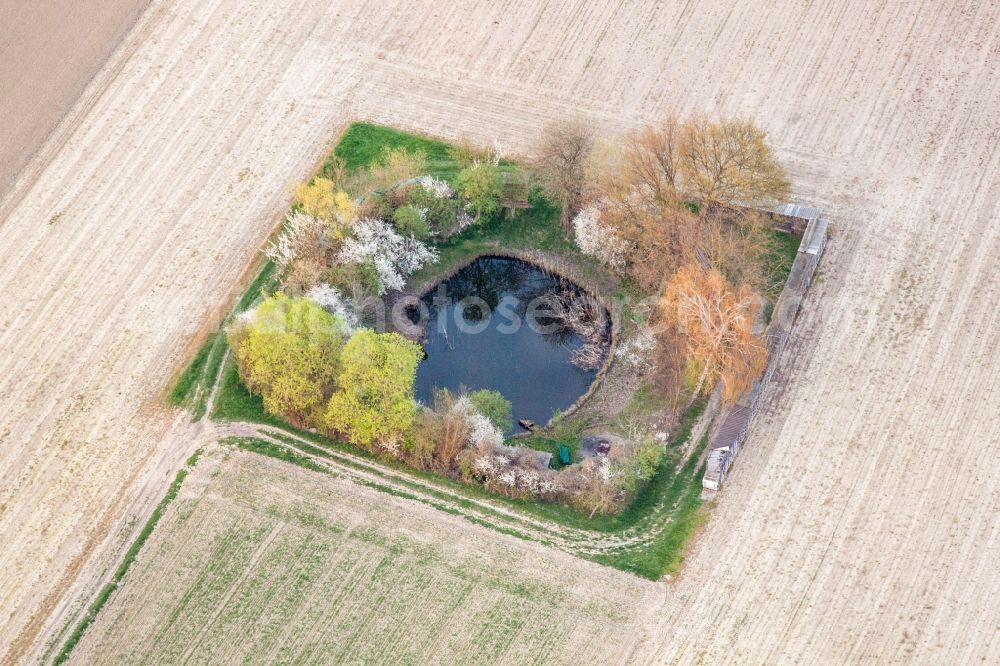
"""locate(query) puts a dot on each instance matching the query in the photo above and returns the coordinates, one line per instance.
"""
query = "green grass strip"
(184, 391)
(363, 144)
(782, 250)
(665, 553)
(272, 450)
(130, 555)
(195, 384)
(408, 478)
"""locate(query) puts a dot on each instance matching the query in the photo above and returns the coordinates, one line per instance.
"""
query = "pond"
(506, 325)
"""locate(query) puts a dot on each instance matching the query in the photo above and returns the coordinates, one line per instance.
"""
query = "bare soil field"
(49, 52)
(861, 522)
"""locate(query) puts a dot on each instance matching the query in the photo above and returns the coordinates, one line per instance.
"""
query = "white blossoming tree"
(394, 256)
(599, 240)
(300, 236)
(335, 303)
(513, 473)
(439, 188)
(482, 431)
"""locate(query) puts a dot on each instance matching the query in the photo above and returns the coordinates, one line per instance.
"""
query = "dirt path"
(486, 511)
(861, 523)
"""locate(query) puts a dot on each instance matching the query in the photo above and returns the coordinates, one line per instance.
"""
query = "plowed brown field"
(861, 523)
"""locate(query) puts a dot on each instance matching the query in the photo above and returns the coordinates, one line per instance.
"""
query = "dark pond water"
(501, 324)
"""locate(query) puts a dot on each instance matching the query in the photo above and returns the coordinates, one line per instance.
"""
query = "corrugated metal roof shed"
(728, 434)
(802, 212)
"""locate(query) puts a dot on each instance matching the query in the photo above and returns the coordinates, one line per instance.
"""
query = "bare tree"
(659, 238)
(561, 159)
(650, 161)
(677, 192)
(729, 162)
(639, 197)
(737, 242)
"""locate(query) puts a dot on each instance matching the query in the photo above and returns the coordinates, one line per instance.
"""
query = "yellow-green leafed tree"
(317, 198)
(480, 184)
(288, 351)
(374, 405)
(320, 199)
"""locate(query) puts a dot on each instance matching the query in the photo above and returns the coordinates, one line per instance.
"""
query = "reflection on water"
(501, 324)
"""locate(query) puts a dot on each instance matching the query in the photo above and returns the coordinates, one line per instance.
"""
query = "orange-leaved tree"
(715, 319)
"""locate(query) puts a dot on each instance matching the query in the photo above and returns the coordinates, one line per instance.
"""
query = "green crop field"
(261, 560)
